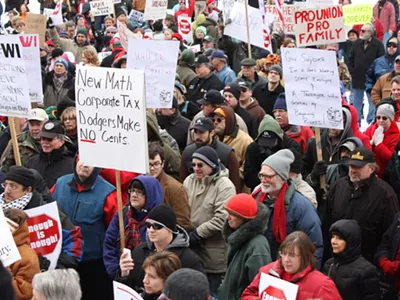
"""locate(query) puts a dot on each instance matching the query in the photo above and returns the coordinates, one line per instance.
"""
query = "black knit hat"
(21, 175)
(234, 89)
(164, 215)
(57, 52)
(297, 165)
(209, 156)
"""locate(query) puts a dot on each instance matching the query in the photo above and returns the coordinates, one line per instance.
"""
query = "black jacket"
(373, 206)
(199, 86)
(392, 171)
(108, 61)
(354, 276)
(266, 99)
(58, 164)
(251, 123)
(6, 287)
(360, 60)
(390, 244)
(177, 126)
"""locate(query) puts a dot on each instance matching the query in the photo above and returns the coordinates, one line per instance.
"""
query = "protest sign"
(185, 28)
(267, 37)
(158, 61)
(319, 26)
(271, 287)
(101, 8)
(321, 3)
(45, 232)
(111, 116)
(56, 15)
(357, 14)
(136, 16)
(123, 292)
(312, 88)
(36, 23)
(102, 55)
(194, 48)
(288, 14)
(9, 253)
(228, 6)
(155, 9)
(14, 90)
(124, 34)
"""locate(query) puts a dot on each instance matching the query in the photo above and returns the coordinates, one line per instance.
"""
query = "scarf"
(59, 81)
(132, 231)
(19, 203)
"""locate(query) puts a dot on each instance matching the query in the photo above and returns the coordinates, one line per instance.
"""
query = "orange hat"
(220, 111)
(273, 59)
(243, 206)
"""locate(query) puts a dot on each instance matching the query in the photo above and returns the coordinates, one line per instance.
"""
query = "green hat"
(202, 28)
(82, 31)
(187, 56)
(209, 38)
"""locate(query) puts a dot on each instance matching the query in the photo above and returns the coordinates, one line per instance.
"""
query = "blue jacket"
(111, 247)
(379, 67)
(225, 75)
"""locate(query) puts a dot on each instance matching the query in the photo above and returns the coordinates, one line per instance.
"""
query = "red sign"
(267, 38)
(185, 27)
(272, 293)
(44, 234)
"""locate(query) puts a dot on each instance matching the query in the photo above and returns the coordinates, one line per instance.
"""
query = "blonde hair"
(165, 263)
(69, 111)
(91, 57)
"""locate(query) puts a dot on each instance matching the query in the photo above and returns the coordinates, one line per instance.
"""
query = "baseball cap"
(219, 111)
(201, 59)
(361, 156)
(248, 62)
(351, 146)
(49, 43)
(267, 139)
(217, 54)
(243, 84)
(203, 124)
(212, 97)
(38, 114)
(397, 58)
(51, 128)
(208, 38)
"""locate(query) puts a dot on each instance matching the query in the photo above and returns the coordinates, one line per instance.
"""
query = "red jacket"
(384, 150)
(380, 31)
(387, 16)
(187, 11)
(354, 125)
(301, 137)
(126, 179)
(312, 283)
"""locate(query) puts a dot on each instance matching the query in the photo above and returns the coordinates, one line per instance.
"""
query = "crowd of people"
(233, 191)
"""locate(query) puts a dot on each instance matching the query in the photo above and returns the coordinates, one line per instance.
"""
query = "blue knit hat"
(280, 102)
(62, 61)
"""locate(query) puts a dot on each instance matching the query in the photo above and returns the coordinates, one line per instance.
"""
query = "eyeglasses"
(12, 186)
(217, 120)
(290, 255)
(70, 119)
(199, 165)
(136, 191)
(266, 176)
(42, 138)
(155, 226)
(381, 117)
(155, 165)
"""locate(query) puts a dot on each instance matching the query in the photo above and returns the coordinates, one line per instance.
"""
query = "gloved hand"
(378, 136)
(44, 263)
(318, 170)
(50, 23)
(195, 240)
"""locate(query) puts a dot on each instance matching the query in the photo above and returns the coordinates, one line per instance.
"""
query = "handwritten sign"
(312, 88)
(288, 14)
(136, 16)
(45, 232)
(36, 23)
(274, 288)
(357, 14)
(14, 90)
(158, 61)
(124, 34)
(101, 8)
(102, 55)
(56, 16)
(319, 26)
(111, 114)
(155, 9)
(320, 3)
(123, 292)
(9, 253)
(228, 6)
(185, 28)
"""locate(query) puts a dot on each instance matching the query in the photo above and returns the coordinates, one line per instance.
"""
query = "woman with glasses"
(296, 264)
(384, 135)
(145, 193)
(68, 119)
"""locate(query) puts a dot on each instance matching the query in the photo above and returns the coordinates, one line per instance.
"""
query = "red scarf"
(132, 231)
(279, 218)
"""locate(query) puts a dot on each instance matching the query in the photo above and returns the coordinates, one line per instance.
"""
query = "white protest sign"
(155, 9)
(185, 28)
(158, 61)
(319, 26)
(30, 50)
(288, 14)
(312, 88)
(195, 48)
(9, 253)
(14, 90)
(115, 1)
(124, 34)
(101, 8)
(45, 232)
(313, 3)
(111, 116)
(136, 16)
(267, 37)
(274, 288)
(55, 14)
(102, 55)
(48, 12)
(228, 6)
(123, 292)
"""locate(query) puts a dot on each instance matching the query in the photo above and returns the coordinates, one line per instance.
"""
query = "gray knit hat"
(387, 110)
(280, 162)
(278, 69)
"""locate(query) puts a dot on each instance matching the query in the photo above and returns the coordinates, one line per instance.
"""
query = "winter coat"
(300, 215)
(372, 205)
(360, 60)
(251, 124)
(305, 189)
(354, 276)
(178, 246)
(177, 126)
(109, 60)
(186, 73)
(50, 96)
(256, 111)
(392, 172)
(111, 246)
(355, 127)
(225, 75)
(312, 283)
(382, 88)
(207, 198)
(384, 150)
(6, 288)
(27, 267)
(248, 251)
(199, 86)
(301, 134)
(266, 98)
(386, 15)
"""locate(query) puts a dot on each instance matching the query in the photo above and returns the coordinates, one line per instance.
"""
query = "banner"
(9, 253)
(274, 288)
(311, 83)
(319, 26)
(158, 61)
(101, 8)
(136, 16)
(111, 116)
(155, 9)
(36, 23)
(357, 14)
(185, 28)
(123, 292)
(14, 90)
(45, 232)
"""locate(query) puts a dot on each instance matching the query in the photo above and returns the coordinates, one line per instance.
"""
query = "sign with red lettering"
(273, 288)
(288, 16)
(319, 26)
(155, 9)
(267, 38)
(45, 232)
(185, 28)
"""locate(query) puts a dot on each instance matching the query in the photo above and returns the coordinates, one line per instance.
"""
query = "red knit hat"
(210, 1)
(243, 206)
(178, 36)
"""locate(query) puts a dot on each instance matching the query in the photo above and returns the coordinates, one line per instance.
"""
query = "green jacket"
(248, 251)
(268, 123)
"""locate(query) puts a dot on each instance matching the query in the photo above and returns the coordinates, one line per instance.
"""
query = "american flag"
(278, 4)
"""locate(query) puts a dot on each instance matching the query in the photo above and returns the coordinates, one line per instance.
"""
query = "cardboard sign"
(36, 23)
(158, 61)
(101, 8)
(185, 28)
(357, 14)
(14, 90)
(136, 16)
(123, 292)
(124, 34)
(155, 9)
(312, 88)
(274, 288)
(319, 26)
(9, 253)
(45, 232)
(111, 116)
(288, 14)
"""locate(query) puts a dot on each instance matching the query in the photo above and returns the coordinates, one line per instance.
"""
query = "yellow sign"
(357, 14)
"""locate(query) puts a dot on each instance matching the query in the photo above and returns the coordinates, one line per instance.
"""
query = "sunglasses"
(243, 90)
(392, 46)
(381, 117)
(218, 120)
(198, 165)
(155, 226)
